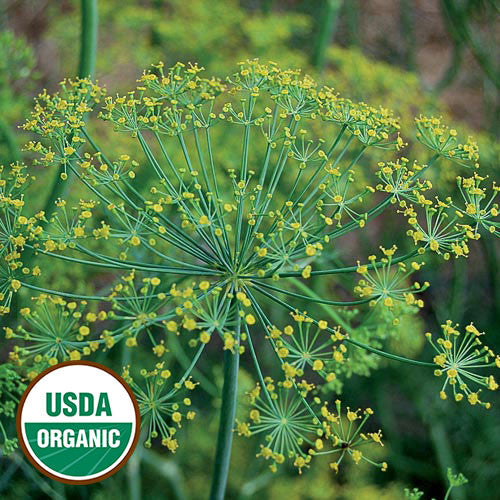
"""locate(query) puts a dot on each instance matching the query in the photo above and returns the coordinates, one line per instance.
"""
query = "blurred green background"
(426, 56)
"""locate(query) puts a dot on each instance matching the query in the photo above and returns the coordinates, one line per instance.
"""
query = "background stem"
(329, 16)
(407, 17)
(88, 44)
(227, 414)
(86, 68)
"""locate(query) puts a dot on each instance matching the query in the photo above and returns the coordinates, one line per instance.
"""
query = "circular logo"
(78, 422)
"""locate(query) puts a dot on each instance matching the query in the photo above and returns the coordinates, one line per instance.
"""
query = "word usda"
(78, 422)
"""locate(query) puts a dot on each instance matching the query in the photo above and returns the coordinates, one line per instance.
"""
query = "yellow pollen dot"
(204, 285)
(84, 330)
(250, 319)
(15, 284)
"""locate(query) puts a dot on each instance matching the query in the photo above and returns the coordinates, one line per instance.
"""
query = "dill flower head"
(54, 330)
(479, 208)
(388, 284)
(461, 358)
(225, 210)
(433, 133)
(296, 431)
(162, 410)
(308, 347)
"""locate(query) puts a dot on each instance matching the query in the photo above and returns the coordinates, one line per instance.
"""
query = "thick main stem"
(227, 414)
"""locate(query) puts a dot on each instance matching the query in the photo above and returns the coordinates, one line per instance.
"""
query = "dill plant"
(208, 253)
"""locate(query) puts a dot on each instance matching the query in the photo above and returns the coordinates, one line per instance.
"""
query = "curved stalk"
(227, 414)
(183, 359)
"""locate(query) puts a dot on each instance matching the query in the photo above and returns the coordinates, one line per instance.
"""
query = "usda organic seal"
(78, 422)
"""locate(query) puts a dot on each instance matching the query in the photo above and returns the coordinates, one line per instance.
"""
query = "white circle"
(78, 378)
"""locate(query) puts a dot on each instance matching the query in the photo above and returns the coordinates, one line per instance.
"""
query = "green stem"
(227, 414)
(338, 270)
(407, 18)
(454, 66)
(134, 475)
(86, 69)
(444, 454)
(185, 361)
(317, 300)
(134, 464)
(156, 37)
(441, 444)
(352, 20)
(266, 6)
(88, 47)
(330, 13)
(36, 478)
(457, 56)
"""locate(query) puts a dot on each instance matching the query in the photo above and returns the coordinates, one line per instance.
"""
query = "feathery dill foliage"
(208, 247)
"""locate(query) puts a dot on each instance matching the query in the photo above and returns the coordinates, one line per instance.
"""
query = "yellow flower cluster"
(387, 283)
(460, 358)
(207, 243)
(56, 330)
(297, 431)
(162, 409)
(434, 134)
